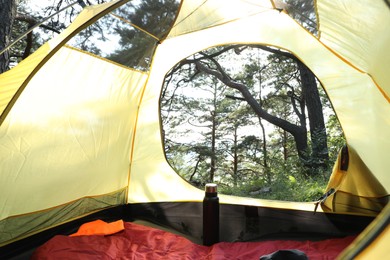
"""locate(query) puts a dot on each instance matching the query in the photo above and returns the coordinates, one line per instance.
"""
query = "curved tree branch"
(224, 78)
(32, 21)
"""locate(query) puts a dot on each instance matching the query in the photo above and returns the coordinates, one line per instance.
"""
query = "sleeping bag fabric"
(141, 242)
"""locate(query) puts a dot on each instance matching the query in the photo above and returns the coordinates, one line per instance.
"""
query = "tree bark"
(265, 152)
(7, 15)
(214, 120)
(213, 147)
(235, 158)
(316, 118)
(320, 154)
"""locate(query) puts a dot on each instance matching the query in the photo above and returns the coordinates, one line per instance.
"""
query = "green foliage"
(336, 137)
(284, 186)
(136, 47)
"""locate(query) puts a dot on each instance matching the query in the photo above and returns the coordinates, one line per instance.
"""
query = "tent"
(80, 135)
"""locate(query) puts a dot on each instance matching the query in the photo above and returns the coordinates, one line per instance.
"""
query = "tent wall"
(69, 135)
(373, 242)
(350, 90)
(351, 196)
(358, 31)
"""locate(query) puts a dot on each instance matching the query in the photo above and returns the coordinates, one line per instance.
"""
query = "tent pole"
(39, 24)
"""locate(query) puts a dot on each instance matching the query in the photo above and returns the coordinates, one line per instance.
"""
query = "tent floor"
(238, 224)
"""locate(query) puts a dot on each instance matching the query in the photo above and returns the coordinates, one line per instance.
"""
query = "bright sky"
(39, 4)
(36, 6)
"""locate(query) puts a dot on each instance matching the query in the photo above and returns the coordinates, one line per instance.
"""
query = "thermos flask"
(210, 215)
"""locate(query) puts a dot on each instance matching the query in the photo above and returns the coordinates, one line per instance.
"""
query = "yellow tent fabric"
(334, 72)
(13, 81)
(70, 129)
(361, 36)
(90, 134)
(373, 242)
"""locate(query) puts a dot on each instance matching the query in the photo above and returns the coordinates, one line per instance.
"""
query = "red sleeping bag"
(142, 242)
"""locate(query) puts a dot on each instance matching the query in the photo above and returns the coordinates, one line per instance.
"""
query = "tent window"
(129, 34)
(254, 119)
(302, 11)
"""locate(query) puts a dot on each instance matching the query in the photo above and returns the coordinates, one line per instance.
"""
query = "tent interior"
(81, 138)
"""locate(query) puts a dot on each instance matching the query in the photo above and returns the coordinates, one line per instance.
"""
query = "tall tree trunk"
(267, 171)
(265, 152)
(213, 149)
(235, 157)
(284, 144)
(213, 136)
(7, 14)
(320, 154)
(318, 136)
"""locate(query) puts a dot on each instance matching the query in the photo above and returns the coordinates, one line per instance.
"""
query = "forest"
(251, 118)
